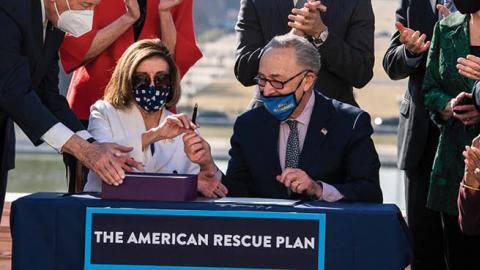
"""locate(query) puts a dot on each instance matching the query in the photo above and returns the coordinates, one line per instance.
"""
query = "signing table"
(48, 231)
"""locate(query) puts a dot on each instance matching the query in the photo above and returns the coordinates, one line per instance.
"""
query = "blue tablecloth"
(48, 231)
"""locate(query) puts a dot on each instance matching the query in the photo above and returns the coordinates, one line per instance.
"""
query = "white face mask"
(74, 22)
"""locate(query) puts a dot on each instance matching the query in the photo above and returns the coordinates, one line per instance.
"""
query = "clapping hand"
(307, 20)
(469, 67)
(443, 10)
(133, 10)
(414, 41)
(472, 164)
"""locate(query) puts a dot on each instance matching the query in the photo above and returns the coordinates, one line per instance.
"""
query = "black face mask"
(467, 6)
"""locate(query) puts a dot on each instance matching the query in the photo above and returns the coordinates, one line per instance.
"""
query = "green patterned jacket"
(442, 83)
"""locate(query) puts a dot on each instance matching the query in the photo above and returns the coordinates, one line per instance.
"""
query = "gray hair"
(307, 55)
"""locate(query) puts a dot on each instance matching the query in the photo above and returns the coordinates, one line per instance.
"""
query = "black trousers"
(461, 250)
(438, 243)
(425, 225)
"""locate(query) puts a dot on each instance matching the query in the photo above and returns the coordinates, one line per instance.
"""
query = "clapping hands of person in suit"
(209, 178)
(416, 43)
(307, 20)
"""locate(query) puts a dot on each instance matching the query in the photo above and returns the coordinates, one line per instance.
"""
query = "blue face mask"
(152, 99)
(281, 107)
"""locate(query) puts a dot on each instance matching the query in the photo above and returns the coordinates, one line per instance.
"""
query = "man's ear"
(309, 81)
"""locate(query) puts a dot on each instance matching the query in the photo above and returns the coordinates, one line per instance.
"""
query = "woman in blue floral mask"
(135, 112)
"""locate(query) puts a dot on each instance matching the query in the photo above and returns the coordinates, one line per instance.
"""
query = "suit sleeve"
(395, 61)
(352, 58)
(435, 98)
(250, 43)
(237, 179)
(17, 98)
(57, 104)
(187, 52)
(362, 165)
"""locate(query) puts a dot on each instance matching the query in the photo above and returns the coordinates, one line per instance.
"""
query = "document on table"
(254, 201)
(86, 196)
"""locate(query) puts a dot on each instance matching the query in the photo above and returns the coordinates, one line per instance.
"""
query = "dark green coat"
(442, 83)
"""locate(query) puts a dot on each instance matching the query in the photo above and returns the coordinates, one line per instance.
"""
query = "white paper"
(257, 201)
(85, 196)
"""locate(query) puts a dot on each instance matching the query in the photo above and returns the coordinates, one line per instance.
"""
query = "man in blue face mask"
(300, 144)
(29, 94)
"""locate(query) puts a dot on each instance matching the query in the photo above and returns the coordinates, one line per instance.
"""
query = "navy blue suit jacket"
(29, 92)
(344, 157)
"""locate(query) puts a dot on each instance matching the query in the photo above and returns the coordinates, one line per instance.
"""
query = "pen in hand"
(194, 114)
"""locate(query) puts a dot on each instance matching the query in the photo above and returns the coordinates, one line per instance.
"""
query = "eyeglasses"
(262, 81)
(142, 80)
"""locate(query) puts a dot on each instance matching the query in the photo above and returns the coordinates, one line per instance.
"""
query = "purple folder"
(153, 187)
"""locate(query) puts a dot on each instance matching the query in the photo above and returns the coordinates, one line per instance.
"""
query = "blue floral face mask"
(152, 99)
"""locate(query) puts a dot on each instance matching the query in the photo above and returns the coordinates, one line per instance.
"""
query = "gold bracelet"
(469, 187)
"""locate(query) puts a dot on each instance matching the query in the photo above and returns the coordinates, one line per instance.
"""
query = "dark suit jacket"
(414, 119)
(347, 55)
(29, 74)
(345, 157)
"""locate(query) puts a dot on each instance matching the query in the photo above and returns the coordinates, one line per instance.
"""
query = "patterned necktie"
(292, 153)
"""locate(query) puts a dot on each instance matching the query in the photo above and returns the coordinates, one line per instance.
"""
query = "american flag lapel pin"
(324, 131)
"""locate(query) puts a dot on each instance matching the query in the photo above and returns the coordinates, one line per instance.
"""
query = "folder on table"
(153, 187)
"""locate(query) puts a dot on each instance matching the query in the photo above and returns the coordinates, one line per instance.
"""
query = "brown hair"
(119, 89)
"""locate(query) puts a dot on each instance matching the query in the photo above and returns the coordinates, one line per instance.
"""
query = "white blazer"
(125, 127)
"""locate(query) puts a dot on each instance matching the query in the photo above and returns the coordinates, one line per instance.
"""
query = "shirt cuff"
(410, 60)
(330, 193)
(84, 134)
(57, 136)
(218, 174)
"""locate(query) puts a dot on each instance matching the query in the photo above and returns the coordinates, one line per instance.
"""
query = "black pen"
(194, 114)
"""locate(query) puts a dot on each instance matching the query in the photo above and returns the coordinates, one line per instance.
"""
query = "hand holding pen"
(194, 114)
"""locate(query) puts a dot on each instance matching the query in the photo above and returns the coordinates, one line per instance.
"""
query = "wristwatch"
(318, 41)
